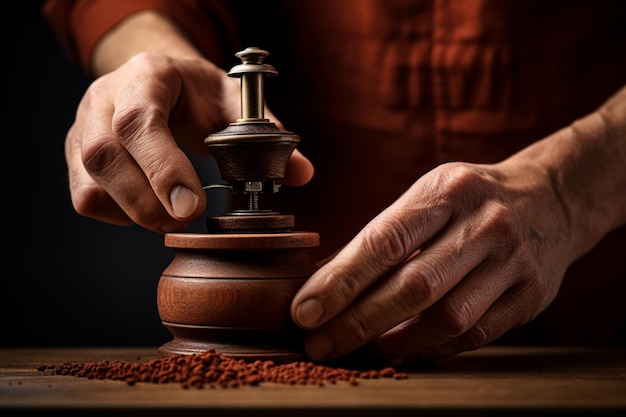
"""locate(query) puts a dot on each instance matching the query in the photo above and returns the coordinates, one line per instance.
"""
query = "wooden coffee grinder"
(230, 289)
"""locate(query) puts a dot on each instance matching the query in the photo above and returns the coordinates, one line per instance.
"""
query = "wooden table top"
(492, 380)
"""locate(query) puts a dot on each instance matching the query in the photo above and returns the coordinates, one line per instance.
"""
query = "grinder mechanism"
(252, 153)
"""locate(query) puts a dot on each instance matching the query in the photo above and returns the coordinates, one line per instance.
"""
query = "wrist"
(582, 166)
(146, 31)
(594, 181)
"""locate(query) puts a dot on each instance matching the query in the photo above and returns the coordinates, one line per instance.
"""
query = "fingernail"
(318, 346)
(309, 312)
(184, 201)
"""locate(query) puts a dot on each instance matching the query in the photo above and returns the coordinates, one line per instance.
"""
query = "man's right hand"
(127, 149)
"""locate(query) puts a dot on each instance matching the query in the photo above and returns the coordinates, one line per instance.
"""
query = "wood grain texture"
(491, 381)
(242, 241)
(233, 292)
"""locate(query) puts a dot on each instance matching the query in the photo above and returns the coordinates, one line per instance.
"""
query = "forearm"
(586, 165)
(146, 31)
(175, 28)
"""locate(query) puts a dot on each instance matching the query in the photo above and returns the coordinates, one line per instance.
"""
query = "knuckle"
(537, 287)
(85, 200)
(459, 178)
(527, 300)
(473, 339)
(498, 225)
(345, 285)
(147, 99)
(498, 219)
(100, 155)
(159, 171)
(455, 319)
(465, 185)
(359, 329)
(132, 120)
(534, 287)
(387, 243)
(421, 283)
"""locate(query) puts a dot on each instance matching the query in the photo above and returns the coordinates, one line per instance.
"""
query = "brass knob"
(252, 71)
(252, 153)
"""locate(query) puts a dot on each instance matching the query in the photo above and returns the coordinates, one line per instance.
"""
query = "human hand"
(467, 253)
(127, 148)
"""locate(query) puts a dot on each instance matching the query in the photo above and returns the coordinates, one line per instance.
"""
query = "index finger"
(140, 122)
(384, 244)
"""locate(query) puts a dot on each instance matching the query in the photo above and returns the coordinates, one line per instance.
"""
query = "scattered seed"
(211, 369)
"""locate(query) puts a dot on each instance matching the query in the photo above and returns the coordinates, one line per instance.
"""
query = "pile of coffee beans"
(212, 369)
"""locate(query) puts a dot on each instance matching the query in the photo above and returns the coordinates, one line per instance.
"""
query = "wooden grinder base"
(232, 293)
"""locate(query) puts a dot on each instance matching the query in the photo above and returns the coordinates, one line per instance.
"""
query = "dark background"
(66, 280)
